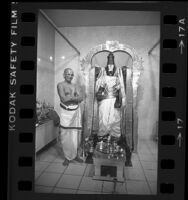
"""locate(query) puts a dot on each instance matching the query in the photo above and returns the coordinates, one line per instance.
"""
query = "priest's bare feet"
(66, 162)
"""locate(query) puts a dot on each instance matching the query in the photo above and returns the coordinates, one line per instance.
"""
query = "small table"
(102, 162)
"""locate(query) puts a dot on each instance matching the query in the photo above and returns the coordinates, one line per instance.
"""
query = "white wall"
(45, 67)
(142, 38)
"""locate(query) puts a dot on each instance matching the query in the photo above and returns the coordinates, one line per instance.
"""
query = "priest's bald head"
(68, 75)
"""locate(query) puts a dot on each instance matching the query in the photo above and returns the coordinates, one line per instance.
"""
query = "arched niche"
(133, 72)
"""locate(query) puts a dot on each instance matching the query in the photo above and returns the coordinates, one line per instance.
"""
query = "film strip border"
(23, 97)
(172, 98)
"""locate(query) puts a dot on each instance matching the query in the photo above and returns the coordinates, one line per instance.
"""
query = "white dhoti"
(70, 121)
(109, 118)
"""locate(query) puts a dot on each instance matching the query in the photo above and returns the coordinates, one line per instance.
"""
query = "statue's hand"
(115, 90)
(100, 94)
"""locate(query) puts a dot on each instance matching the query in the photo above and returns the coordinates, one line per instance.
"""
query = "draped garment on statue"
(110, 118)
(70, 123)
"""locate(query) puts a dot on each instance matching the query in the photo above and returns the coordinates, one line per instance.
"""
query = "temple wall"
(45, 65)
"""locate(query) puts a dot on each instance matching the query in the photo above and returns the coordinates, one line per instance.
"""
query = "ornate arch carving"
(134, 71)
(112, 46)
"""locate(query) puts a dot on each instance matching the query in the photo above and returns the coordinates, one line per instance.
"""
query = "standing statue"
(110, 91)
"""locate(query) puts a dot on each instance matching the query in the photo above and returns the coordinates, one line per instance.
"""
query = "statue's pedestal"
(108, 169)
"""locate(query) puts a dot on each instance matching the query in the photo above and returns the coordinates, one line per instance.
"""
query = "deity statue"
(110, 92)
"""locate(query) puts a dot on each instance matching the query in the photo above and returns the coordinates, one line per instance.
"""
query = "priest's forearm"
(65, 99)
(77, 99)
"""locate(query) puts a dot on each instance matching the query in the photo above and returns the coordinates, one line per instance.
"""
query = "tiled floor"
(52, 177)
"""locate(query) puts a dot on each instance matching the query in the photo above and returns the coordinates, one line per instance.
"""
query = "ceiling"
(74, 18)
